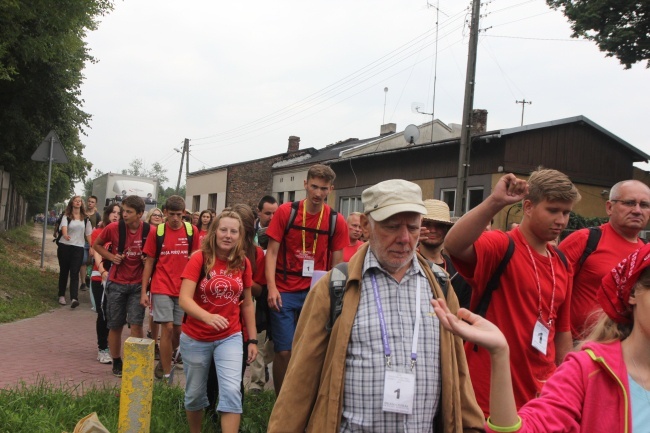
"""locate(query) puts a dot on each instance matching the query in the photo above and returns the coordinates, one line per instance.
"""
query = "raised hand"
(470, 327)
(510, 189)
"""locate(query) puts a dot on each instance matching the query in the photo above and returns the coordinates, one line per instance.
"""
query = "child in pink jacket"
(603, 387)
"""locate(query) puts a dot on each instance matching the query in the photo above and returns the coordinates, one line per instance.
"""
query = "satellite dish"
(416, 107)
(411, 134)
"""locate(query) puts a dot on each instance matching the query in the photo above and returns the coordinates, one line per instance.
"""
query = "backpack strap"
(441, 276)
(160, 238)
(189, 231)
(493, 283)
(338, 280)
(283, 245)
(562, 257)
(330, 235)
(592, 243)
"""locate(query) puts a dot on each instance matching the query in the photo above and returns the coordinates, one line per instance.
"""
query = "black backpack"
(58, 233)
(290, 225)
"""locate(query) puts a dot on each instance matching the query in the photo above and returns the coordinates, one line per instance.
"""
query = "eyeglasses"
(632, 204)
(156, 215)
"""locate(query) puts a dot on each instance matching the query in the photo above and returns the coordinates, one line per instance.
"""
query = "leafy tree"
(164, 194)
(137, 168)
(42, 55)
(621, 28)
(88, 183)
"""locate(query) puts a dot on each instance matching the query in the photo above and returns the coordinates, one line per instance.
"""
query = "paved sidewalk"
(60, 346)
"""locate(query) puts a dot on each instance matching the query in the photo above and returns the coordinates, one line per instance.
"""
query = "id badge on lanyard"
(399, 386)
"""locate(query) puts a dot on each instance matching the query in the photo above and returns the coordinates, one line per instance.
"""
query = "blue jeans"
(227, 355)
(283, 322)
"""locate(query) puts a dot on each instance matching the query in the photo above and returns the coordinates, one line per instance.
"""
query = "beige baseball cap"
(438, 211)
(390, 197)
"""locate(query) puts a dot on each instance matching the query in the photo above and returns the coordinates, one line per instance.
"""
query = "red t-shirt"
(514, 310)
(166, 278)
(96, 276)
(130, 270)
(612, 248)
(349, 251)
(219, 294)
(202, 234)
(259, 278)
(294, 254)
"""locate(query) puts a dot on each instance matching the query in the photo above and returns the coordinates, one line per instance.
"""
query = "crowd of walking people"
(397, 318)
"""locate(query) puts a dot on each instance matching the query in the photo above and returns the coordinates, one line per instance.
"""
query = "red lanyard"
(551, 313)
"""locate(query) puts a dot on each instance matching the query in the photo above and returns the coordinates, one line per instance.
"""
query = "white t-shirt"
(76, 232)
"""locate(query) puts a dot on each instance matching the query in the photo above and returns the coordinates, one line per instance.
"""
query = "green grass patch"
(25, 289)
(49, 408)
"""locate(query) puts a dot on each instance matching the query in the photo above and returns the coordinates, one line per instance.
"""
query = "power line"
(535, 39)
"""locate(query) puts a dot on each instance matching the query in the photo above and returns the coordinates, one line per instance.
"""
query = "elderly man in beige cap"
(386, 365)
(435, 225)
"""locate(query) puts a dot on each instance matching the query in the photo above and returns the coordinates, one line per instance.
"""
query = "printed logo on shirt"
(221, 288)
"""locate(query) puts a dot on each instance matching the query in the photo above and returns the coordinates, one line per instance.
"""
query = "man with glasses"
(628, 209)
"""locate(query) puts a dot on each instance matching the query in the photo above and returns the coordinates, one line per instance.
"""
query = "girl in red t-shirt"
(97, 281)
(215, 288)
(205, 219)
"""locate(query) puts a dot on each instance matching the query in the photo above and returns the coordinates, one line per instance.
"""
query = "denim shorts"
(123, 304)
(166, 309)
(227, 354)
(283, 323)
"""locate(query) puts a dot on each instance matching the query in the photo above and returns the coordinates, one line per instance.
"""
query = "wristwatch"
(252, 341)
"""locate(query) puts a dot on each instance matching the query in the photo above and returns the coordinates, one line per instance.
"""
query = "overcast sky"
(238, 78)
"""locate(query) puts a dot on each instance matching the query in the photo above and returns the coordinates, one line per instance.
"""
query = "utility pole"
(523, 105)
(180, 170)
(466, 127)
(186, 144)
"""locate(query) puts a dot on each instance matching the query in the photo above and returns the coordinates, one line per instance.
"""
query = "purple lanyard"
(382, 322)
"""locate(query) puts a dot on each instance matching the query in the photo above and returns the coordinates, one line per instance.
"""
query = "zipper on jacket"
(600, 360)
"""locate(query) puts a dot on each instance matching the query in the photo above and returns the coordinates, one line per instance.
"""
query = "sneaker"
(104, 357)
(83, 288)
(158, 371)
(74, 303)
(117, 367)
(62, 300)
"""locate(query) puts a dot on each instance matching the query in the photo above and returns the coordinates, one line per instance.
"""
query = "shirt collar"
(371, 262)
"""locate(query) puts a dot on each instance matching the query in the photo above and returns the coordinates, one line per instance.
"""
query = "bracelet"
(252, 341)
(510, 429)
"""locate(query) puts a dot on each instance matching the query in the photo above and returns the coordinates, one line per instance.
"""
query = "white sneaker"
(62, 300)
(104, 357)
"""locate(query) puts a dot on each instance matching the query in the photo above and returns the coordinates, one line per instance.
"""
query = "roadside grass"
(25, 289)
(49, 408)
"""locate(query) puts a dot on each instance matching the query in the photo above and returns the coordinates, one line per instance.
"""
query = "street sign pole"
(47, 199)
(50, 150)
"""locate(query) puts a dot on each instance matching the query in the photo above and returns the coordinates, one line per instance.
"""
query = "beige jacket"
(312, 393)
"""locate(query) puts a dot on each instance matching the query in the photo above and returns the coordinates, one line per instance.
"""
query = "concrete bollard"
(137, 386)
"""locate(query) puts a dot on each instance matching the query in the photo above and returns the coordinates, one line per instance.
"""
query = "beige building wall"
(287, 182)
(203, 185)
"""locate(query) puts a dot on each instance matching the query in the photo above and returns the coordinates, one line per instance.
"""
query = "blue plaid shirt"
(365, 362)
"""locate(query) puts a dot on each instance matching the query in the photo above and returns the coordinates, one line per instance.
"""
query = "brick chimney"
(388, 128)
(479, 121)
(294, 143)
